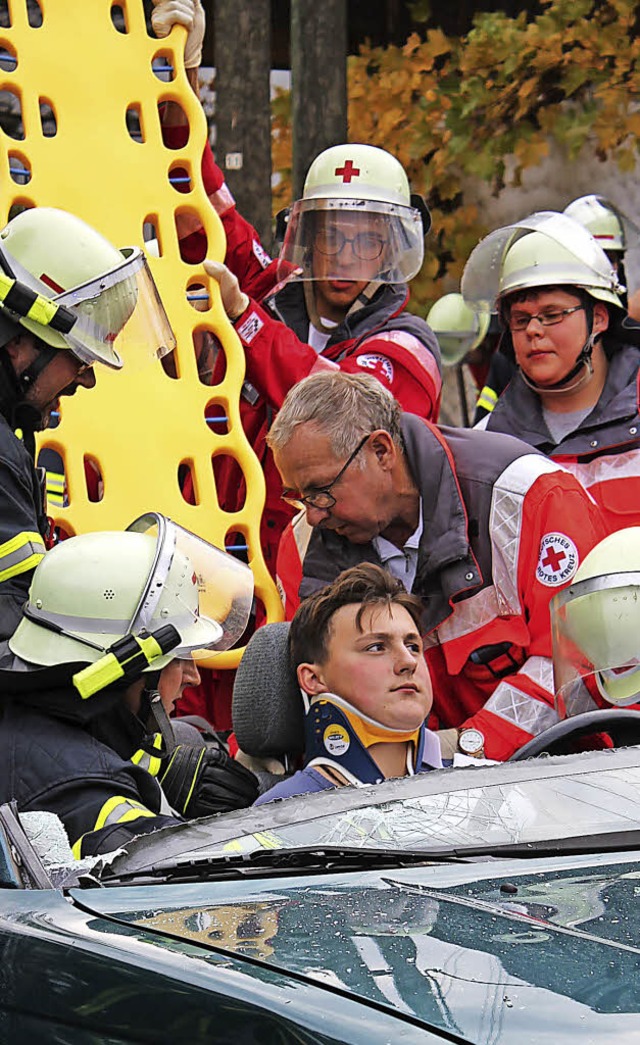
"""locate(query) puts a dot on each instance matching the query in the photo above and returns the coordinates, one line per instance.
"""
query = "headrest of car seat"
(267, 710)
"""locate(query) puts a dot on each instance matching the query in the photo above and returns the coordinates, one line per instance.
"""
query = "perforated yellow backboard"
(78, 75)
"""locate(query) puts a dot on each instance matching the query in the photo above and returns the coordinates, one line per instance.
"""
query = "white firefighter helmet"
(608, 225)
(90, 592)
(458, 328)
(596, 628)
(544, 249)
(357, 195)
(66, 284)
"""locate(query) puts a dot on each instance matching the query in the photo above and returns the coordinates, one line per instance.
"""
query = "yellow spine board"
(138, 425)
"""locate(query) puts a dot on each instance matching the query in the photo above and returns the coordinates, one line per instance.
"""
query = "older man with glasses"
(483, 528)
(574, 395)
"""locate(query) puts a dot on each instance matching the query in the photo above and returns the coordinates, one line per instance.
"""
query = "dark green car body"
(488, 950)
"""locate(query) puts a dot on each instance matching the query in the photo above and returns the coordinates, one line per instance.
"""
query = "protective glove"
(189, 13)
(234, 300)
(200, 781)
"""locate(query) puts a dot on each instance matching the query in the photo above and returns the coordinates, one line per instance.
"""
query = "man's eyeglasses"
(322, 497)
(365, 245)
(520, 320)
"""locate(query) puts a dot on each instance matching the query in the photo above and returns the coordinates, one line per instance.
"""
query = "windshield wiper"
(580, 845)
(308, 859)
(329, 859)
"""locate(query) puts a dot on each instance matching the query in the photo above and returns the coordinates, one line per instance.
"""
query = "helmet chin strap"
(580, 373)
(156, 720)
(14, 388)
(363, 298)
(29, 376)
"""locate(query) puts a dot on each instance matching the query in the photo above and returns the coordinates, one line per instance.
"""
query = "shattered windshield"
(544, 800)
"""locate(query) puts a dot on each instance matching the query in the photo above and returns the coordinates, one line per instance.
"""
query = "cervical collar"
(337, 735)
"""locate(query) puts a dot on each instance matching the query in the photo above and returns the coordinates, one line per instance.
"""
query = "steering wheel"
(622, 726)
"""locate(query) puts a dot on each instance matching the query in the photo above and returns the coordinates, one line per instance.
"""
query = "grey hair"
(345, 406)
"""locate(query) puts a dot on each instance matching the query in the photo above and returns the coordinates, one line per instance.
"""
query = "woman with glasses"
(575, 392)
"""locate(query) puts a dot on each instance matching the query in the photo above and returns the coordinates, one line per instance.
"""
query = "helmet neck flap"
(14, 407)
(106, 716)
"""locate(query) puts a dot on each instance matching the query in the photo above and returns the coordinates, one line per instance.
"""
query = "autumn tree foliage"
(488, 105)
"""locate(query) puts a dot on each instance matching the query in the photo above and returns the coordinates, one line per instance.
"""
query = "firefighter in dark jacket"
(65, 296)
(83, 732)
(575, 392)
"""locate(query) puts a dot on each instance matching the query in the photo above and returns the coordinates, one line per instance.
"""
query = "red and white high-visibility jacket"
(603, 452)
(378, 338)
(504, 529)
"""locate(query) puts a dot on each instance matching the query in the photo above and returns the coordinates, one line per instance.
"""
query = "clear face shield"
(456, 344)
(580, 261)
(119, 316)
(204, 592)
(352, 239)
(595, 626)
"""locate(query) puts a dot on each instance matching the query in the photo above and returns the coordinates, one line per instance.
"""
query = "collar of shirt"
(431, 754)
(401, 562)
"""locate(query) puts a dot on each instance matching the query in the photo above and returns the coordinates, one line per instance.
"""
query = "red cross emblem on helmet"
(347, 172)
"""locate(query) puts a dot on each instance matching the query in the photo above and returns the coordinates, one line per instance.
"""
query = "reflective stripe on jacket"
(49, 764)
(23, 525)
(604, 450)
(504, 530)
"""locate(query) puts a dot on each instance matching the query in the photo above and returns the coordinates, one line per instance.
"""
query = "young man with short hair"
(358, 657)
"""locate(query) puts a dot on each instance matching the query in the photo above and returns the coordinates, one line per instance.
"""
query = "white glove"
(234, 301)
(188, 13)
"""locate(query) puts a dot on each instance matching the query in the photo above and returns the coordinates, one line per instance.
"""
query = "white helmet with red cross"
(356, 197)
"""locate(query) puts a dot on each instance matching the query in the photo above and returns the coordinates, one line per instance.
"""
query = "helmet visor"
(120, 310)
(210, 607)
(352, 240)
(581, 262)
(455, 345)
(596, 649)
(119, 315)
